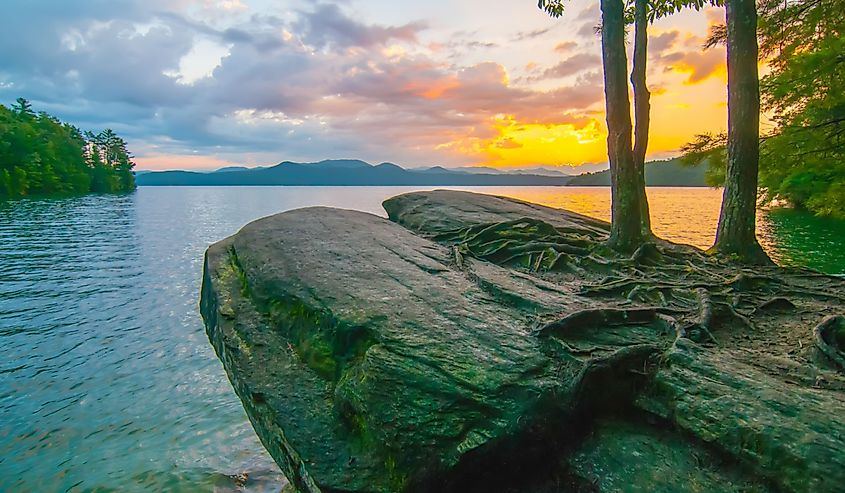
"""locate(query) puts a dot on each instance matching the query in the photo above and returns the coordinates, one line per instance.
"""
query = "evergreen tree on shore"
(40, 155)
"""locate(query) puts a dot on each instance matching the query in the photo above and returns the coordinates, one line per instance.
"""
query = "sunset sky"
(209, 83)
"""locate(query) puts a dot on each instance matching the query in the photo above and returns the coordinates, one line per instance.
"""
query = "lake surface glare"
(107, 379)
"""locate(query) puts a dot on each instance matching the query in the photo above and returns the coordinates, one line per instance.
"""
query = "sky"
(202, 84)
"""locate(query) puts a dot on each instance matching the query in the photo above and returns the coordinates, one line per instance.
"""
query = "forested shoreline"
(43, 156)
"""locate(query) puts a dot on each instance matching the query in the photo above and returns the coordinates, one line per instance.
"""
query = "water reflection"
(107, 380)
(683, 215)
(798, 238)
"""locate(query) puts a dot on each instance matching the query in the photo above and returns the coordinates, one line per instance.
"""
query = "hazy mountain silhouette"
(669, 173)
(353, 172)
(341, 172)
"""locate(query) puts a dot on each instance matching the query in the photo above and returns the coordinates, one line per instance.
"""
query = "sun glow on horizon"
(231, 82)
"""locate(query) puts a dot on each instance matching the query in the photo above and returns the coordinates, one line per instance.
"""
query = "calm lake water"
(107, 380)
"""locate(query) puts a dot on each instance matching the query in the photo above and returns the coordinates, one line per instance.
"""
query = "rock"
(788, 434)
(636, 456)
(445, 211)
(731, 396)
(776, 305)
(367, 361)
(438, 353)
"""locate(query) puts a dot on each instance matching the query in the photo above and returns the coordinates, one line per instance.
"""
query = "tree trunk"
(736, 232)
(642, 105)
(627, 192)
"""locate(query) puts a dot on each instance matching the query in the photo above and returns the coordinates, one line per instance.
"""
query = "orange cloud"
(432, 89)
(508, 143)
(701, 65)
(678, 52)
(565, 46)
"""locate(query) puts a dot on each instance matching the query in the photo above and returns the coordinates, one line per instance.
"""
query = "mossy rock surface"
(368, 362)
(418, 355)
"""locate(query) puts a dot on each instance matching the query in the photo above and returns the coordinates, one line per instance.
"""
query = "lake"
(107, 380)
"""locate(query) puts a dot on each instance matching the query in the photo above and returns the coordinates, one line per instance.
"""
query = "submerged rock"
(438, 353)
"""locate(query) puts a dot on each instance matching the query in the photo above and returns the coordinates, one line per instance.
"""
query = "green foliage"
(805, 157)
(656, 8)
(802, 161)
(708, 150)
(552, 7)
(40, 155)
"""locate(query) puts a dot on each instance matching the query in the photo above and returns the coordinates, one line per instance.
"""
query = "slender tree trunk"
(737, 222)
(627, 193)
(642, 105)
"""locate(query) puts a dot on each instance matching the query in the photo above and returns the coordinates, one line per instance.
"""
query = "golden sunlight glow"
(678, 112)
(680, 108)
(520, 144)
(688, 87)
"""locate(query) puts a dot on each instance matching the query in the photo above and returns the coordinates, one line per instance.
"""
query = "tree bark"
(642, 105)
(736, 233)
(627, 191)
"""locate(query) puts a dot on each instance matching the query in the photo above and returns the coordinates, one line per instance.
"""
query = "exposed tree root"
(704, 295)
(711, 315)
(599, 317)
(829, 338)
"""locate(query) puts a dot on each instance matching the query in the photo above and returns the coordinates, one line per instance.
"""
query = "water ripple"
(107, 380)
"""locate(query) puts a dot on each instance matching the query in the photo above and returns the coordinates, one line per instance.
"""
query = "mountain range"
(668, 173)
(352, 172)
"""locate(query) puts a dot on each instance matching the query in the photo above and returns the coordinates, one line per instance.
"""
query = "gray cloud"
(588, 30)
(328, 25)
(523, 35)
(567, 67)
(663, 42)
(288, 88)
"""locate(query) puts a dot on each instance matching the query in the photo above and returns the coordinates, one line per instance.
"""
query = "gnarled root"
(598, 317)
(829, 339)
(712, 314)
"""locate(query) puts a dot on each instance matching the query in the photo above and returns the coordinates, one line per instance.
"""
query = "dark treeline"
(40, 155)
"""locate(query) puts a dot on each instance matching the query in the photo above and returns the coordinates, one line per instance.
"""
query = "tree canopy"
(802, 158)
(40, 155)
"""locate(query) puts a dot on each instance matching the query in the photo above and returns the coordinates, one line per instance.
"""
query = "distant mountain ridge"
(667, 173)
(539, 170)
(342, 172)
(354, 172)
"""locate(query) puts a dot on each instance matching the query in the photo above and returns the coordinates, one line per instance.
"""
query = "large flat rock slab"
(368, 361)
(434, 352)
(751, 391)
(635, 456)
(789, 434)
(444, 211)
